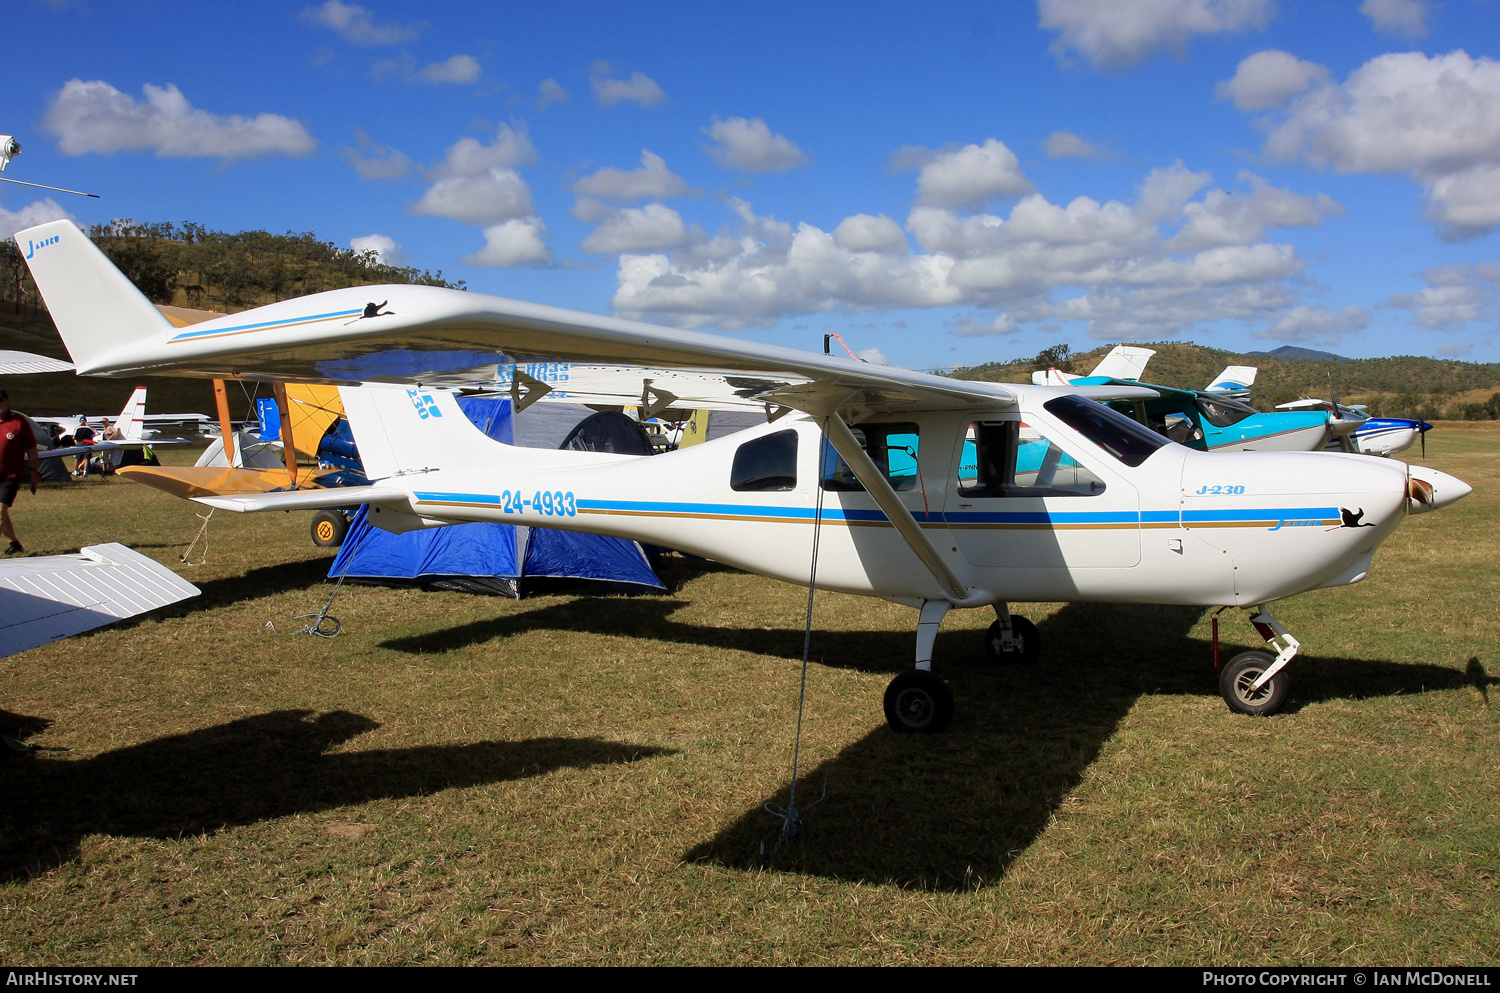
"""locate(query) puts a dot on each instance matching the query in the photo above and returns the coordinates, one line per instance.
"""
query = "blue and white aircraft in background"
(1372, 435)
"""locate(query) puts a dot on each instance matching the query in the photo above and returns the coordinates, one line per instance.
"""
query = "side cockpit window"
(892, 447)
(766, 464)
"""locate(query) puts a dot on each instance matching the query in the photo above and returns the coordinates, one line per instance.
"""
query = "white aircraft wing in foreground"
(926, 491)
(45, 598)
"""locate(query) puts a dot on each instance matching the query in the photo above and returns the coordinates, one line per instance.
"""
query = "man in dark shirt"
(17, 447)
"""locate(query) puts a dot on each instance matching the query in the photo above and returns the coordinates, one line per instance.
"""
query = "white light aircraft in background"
(931, 492)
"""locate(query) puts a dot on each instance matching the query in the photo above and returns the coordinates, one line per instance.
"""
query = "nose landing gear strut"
(1255, 683)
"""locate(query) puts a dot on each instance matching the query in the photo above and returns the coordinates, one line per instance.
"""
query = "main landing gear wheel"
(329, 528)
(1240, 673)
(917, 702)
(997, 649)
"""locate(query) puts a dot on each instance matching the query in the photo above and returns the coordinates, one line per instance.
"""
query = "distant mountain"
(1296, 353)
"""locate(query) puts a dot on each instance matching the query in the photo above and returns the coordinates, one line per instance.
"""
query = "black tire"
(1242, 670)
(1022, 630)
(329, 528)
(917, 702)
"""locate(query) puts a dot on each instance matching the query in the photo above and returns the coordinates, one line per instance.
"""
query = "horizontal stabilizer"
(14, 363)
(337, 496)
(50, 597)
(191, 482)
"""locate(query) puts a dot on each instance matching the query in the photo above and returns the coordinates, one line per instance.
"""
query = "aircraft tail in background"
(1234, 379)
(131, 424)
(1124, 362)
(96, 308)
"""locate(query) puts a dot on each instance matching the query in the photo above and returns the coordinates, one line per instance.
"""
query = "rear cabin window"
(766, 464)
(1011, 459)
(892, 447)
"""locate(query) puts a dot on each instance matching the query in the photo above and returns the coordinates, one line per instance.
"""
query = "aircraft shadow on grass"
(953, 811)
(243, 772)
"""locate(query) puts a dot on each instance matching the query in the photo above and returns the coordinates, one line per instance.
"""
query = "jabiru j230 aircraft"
(1064, 499)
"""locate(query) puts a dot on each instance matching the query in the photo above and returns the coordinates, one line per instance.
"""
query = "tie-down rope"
(790, 816)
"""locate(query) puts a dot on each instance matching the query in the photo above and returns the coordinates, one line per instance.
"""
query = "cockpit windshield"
(1222, 411)
(1112, 431)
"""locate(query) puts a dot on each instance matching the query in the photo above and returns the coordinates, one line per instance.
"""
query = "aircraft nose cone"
(1429, 489)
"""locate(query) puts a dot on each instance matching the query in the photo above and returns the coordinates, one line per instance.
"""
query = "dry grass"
(459, 779)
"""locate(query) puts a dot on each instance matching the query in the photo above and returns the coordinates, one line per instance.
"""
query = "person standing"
(17, 447)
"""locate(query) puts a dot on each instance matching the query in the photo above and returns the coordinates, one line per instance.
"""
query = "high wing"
(14, 363)
(50, 597)
(437, 336)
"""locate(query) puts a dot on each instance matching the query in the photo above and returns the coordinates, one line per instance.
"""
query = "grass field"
(458, 779)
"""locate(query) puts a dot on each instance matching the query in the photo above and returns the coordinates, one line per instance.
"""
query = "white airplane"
(125, 432)
(931, 492)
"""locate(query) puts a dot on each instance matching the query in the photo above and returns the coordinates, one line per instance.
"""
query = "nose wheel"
(1237, 684)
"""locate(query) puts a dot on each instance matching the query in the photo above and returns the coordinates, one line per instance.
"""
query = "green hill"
(185, 266)
(1403, 385)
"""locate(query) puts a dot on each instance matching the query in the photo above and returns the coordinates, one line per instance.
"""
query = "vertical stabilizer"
(96, 309)
(1234, 379)
(131, 424)
(1124, 362)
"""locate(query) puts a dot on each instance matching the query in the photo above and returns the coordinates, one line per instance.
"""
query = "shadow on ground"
(246, 771)
(952, 812)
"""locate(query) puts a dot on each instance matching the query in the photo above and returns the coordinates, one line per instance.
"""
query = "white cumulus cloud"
(1224, 218)
(1124, 268)
(515, 243)
(1269, 79)
(969, 176)
(1407, 18)
(373, 160)
(1117, 34)
(386, 250)
(749, 146)
(95, 117)
(1454, 297)
(637, 88)
(549, 92)
(36, 212)
(356, 24)
(454, 69)
(866, 233)
(652, 228)
(652, 181)
(1067, 145)
(1435, 118)
(477, 183)
(1317, 325)
(491, 196)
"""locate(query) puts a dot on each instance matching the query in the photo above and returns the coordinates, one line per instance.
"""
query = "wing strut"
(879, 487)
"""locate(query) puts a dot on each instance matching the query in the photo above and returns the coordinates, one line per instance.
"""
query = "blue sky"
(940, 185)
